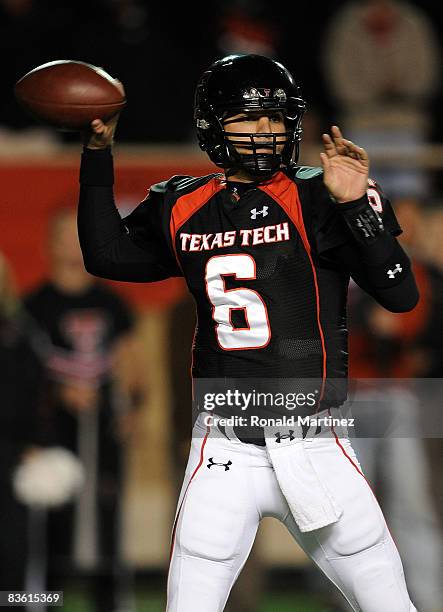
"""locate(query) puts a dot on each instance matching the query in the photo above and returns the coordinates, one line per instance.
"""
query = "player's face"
(266, 123)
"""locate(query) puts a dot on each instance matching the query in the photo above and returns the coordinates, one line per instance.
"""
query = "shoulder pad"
(180, 183)
(308, 172)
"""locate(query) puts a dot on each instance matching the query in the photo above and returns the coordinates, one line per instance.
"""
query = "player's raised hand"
(101, 135)
(345, 167)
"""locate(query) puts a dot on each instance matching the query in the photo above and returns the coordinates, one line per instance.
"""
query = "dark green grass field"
(75, 601)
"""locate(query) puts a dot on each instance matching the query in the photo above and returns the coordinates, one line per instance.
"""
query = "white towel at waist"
(311, 502)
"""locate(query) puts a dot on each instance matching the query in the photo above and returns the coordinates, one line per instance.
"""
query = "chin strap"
(255, 179)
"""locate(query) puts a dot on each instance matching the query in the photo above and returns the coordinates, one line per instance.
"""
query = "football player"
(267, 249)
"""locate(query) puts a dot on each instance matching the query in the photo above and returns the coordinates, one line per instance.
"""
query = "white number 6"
(257, 332)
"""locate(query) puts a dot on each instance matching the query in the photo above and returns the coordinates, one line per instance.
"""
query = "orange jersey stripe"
(285, 192)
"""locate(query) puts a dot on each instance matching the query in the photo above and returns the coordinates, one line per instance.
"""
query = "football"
(68, 95)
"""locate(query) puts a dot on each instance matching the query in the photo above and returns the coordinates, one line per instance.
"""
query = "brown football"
(68, 95)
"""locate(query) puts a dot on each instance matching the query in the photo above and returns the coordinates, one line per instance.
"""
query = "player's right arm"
(112, 248)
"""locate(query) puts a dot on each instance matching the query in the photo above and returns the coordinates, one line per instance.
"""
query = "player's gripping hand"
(345, 167)
(101, 135)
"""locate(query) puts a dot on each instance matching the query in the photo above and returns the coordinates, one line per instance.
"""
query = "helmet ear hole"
(245, 83)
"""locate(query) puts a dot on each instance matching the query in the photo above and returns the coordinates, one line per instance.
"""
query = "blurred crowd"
(159, 51)
(69, 381)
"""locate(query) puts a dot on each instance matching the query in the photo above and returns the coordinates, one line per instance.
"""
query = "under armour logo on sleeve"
(392, 273)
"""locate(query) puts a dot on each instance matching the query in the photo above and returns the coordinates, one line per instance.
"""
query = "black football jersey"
(271, 299)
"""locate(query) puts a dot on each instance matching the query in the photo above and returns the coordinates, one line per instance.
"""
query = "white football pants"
(229, 486)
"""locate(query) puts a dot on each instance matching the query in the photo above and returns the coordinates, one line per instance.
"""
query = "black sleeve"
(109, 248)
(383, 270)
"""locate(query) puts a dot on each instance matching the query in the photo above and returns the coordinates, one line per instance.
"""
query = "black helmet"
(242, 83)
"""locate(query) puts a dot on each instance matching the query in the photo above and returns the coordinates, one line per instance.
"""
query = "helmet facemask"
(262, 154)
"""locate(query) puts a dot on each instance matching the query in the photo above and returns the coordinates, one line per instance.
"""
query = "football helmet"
(241, 84)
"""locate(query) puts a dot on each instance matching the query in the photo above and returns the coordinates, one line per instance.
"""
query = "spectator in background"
(86, 343)
(395, 347)
(381, 61)
(21, 392)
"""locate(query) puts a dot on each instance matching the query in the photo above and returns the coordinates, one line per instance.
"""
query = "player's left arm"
(372, 255)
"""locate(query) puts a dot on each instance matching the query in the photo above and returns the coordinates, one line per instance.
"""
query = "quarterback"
(267, 249)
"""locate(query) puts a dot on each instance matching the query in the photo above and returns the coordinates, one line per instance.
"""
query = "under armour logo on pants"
(212, 462)
(281, 437)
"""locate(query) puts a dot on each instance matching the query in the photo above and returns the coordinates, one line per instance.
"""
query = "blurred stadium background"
(158, 51)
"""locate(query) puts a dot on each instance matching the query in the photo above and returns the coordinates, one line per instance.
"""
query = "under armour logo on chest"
(263, 212)
(281, 437)
(212, 462)
(392, 273)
